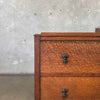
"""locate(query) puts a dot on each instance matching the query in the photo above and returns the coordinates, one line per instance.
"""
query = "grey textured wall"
(20, 19)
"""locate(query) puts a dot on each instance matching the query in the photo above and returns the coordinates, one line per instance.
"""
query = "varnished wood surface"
(81, 75)
(37, 67)
(69, 38)
(79, 88)
(70, 74)
(84, 56)
(70, 34)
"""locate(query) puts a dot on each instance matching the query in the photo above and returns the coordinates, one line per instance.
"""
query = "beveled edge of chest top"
(69, 36)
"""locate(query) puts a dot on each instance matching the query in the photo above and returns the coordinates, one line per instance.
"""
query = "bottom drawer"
(70, 88)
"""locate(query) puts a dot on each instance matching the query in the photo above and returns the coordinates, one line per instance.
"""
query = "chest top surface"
(68, 36)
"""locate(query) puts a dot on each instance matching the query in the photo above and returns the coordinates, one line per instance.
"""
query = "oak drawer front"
(84, 56)
(79, 88)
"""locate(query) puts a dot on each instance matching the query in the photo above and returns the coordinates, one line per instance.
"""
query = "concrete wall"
(20, 19)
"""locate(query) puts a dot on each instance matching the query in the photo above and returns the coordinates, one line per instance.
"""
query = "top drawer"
(84, 56)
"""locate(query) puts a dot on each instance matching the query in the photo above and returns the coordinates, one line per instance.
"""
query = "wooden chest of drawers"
(67, 66)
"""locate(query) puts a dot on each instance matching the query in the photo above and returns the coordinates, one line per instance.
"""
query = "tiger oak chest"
(67, 66)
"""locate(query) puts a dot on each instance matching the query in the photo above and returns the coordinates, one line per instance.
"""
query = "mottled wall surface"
(20, 19)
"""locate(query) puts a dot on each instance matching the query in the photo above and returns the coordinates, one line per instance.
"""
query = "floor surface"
(17, 87)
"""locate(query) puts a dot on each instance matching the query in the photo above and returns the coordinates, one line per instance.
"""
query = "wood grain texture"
(70, 34)
(81, 75)
(86, 88)
(84, 56)
(70, 74)
(69, 38)
(37, 67)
